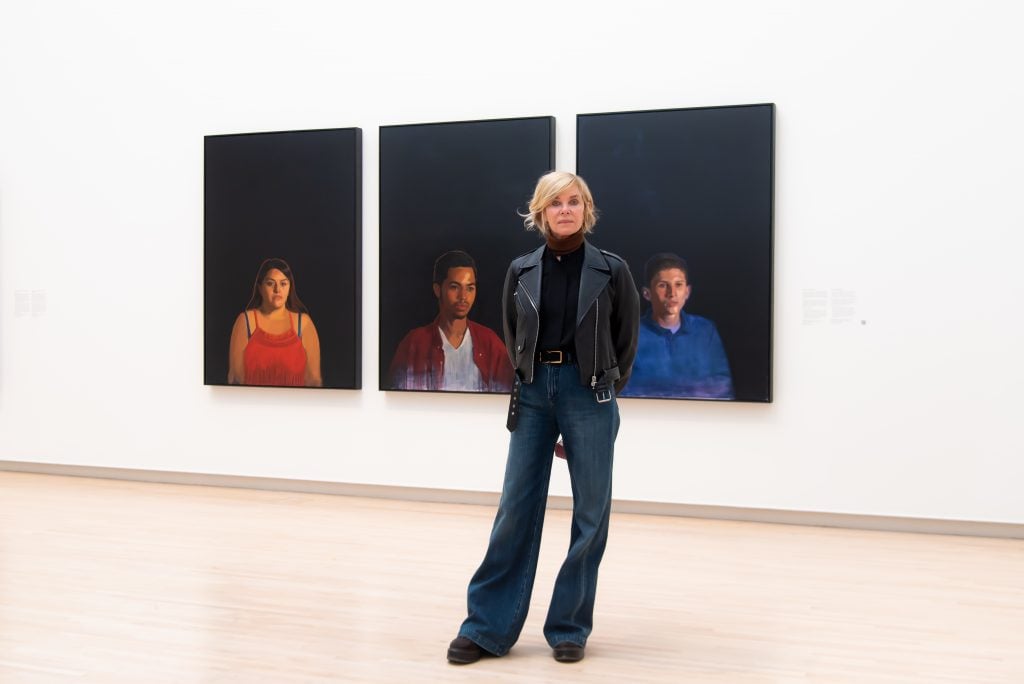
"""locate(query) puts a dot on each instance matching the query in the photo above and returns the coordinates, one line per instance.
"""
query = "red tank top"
(274, 359)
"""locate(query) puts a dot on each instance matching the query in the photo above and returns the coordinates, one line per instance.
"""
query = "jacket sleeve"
(625, 323)
(508, 311)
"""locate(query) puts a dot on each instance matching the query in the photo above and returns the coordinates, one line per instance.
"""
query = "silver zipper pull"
(597, 319)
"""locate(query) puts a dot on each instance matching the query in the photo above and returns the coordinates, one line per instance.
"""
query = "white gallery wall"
(899, 236)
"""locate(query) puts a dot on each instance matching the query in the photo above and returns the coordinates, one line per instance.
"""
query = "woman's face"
(274, 289)
(564, 216)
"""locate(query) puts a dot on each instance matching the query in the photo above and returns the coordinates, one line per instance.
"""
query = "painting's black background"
(447, 186)
(697, 182)
(293, 195)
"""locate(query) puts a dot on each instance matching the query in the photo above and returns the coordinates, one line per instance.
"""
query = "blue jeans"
(499, 593)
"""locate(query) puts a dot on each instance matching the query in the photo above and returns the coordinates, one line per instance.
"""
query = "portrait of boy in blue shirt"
(680, 355)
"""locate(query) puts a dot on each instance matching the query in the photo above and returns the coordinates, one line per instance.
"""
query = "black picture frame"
(698, 182)
(294, 195)
(452, 186)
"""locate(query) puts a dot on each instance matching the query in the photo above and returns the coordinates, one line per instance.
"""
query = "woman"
(274, 341)
(570, 317)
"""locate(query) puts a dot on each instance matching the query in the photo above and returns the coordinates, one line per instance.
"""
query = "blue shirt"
(690, 362)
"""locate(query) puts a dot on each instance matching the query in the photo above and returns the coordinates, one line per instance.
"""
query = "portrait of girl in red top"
(274, 341)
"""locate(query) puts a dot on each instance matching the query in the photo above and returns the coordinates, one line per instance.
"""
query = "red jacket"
(419, 360)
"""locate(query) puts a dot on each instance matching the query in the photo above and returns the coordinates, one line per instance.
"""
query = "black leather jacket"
(607, 318)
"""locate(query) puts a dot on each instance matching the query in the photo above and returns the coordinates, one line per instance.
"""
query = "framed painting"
(451, 195)
(686, 197)
(283, 259)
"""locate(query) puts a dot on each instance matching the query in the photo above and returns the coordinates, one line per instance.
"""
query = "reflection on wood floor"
(112, 581)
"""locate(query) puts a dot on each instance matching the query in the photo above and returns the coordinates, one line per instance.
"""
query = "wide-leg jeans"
(499, 592)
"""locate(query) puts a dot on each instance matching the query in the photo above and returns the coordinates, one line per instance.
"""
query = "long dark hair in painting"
(293, 302)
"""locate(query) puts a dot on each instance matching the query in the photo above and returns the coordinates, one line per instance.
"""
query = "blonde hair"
(549, 187)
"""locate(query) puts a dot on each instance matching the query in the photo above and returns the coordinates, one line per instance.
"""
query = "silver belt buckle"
(548, 357)
(603, 396)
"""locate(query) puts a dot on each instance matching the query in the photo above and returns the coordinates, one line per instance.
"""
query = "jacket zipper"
(536, 335)
(597, 317)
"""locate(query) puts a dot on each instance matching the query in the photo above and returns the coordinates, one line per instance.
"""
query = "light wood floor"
(109, 581)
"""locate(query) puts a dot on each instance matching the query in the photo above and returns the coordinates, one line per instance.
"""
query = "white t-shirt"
(460, 372)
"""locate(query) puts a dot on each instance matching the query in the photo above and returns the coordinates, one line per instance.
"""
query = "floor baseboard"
(969, 528)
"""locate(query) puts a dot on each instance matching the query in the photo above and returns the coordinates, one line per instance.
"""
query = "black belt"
(555, 357)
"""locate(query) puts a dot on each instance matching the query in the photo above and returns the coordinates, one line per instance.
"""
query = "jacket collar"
(594, 277)
(435, 331)
(534, 257)
(647, 321)
(529, 275)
